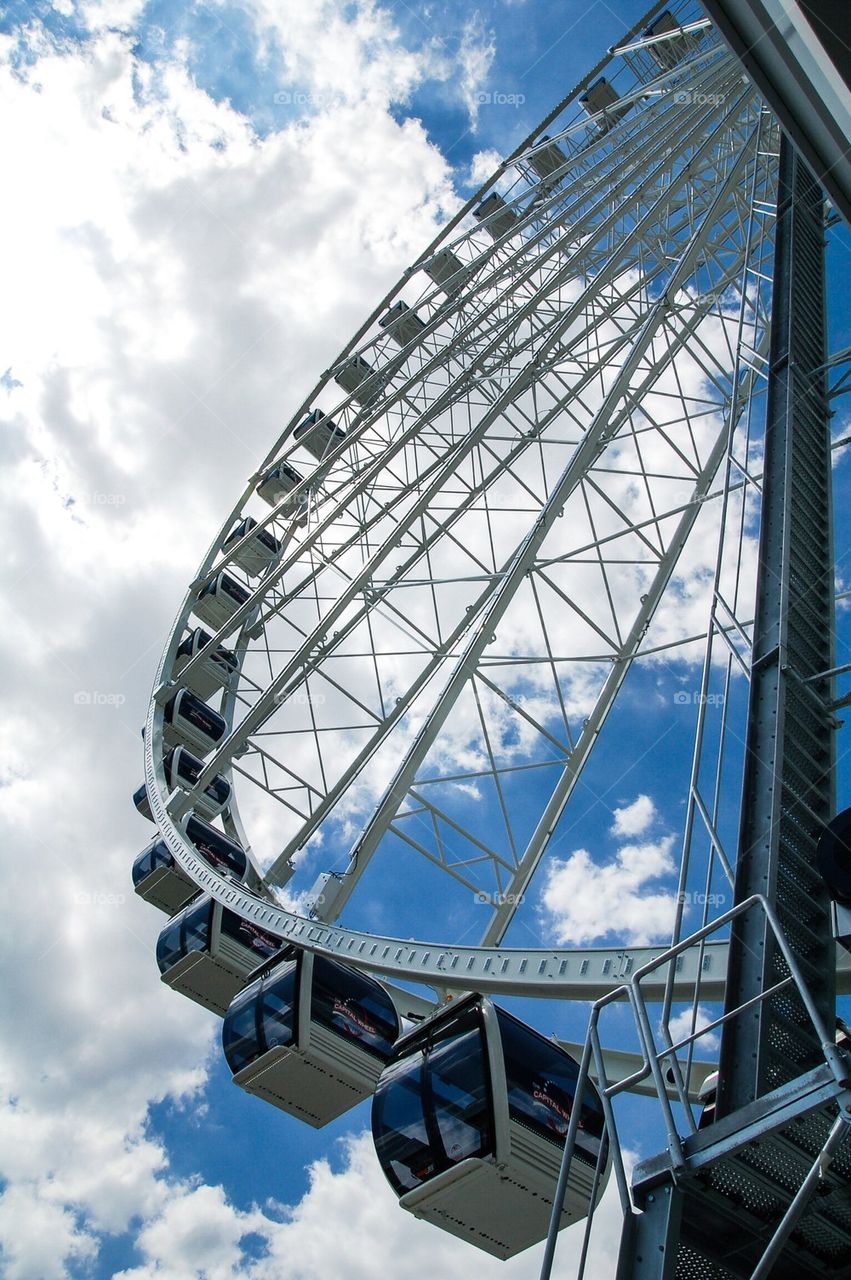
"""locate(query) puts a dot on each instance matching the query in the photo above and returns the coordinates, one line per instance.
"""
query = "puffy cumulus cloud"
(585, 901)
(687, 1022)
(200, 1235)
(483, 165)
(174, 287)
(635, 818)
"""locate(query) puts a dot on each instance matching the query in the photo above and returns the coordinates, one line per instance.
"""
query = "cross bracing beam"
(475, 421)
(452, 460)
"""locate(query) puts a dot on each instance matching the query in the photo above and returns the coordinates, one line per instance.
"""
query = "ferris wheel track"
(502, 363)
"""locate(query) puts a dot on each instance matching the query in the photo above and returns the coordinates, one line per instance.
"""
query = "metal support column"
(788, 779)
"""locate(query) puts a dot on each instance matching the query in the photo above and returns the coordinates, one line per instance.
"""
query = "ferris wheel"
(404, 643)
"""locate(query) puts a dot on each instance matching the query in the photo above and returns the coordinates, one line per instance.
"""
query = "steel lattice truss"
(468, 576)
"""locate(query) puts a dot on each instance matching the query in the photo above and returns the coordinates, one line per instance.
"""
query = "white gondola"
(206, 953)
(469, 1120)
(220, 599)
(401, 323)
(600, 96)
(189, 722)
(211, 673)
(275, 486)
(257, 553)
(669, 52)
(357, 376)
(159, 880)
(496, 216)
(319, 434)
(546, 160)
(446, 270)
(310, 1036)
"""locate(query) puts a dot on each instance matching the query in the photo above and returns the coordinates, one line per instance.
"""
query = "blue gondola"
(189, 722)
(258, 552)
(401, 323)
(223, 854)
(182, 769)
(206, 952)
(158, 879)
(319, 434)
(446, 270)
(220, 599)
(310, 1036)
(212, 673)
(469, 1121)
(496, 216)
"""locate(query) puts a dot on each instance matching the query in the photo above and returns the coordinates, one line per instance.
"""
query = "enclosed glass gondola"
(189, 722)
(159, 880)
(401, 323)
(275, 486)
(319, 434)
(211, 673)
(220, 599)
(469, 1120)
(497, 217)
(547, 160)
(310, 1036)
(667, 53)
(602, 97)
(357, 377)
(446, 270)
(206, 952)
(223, 854)
(258, 552)
(182, 769)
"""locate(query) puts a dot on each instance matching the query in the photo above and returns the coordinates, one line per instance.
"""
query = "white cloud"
(687, 1022)
(197, 1236)
(584, 901)
(483, 164)
(634, 819)
(476, 55)
(175, 285)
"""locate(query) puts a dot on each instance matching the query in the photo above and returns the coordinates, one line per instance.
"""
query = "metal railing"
(665, 1068)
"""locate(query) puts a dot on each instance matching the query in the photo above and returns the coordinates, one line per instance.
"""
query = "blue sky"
(204, 200)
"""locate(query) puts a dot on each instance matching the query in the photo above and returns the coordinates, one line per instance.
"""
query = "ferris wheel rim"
(285, 923)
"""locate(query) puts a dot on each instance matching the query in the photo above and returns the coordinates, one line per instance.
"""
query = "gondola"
(211, 673)
(206, 952)
(158, 879)
(310, 1036)
(319, 434)
(469, 1120)
(189, 722)
(182, 769)
(258, 552)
